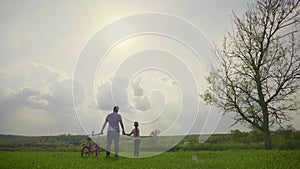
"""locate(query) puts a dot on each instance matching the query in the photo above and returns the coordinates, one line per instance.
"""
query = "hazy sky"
(154, 77)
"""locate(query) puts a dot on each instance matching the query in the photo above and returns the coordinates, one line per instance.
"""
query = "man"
(113, 119)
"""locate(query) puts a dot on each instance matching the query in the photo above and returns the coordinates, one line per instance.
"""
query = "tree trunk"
(268, 143)
(265, 112)
(266, 128)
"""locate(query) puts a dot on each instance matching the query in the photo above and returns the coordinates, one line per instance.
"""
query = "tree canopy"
(260, 66)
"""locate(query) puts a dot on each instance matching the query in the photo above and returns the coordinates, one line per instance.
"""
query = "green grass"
(207, 159)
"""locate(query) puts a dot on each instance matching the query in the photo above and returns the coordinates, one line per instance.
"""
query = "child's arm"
(129, 133)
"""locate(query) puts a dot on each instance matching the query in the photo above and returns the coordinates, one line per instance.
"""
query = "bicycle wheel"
(97, 150)
(85, 151)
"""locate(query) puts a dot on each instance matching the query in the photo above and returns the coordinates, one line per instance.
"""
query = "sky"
(65, 64)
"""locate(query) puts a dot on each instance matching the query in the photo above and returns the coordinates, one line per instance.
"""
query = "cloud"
(29, 97)
(138, 91)
(34, 92)
(104, 97)
(142, 103)
(110, 94)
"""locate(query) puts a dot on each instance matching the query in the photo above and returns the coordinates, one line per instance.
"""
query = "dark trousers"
(112, 136)
(136, 147)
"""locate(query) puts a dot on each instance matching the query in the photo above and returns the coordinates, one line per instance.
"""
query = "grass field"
(206, 159)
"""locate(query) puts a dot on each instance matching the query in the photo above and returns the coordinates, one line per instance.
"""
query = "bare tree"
(260, 68)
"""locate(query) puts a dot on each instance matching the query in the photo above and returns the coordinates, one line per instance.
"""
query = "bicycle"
(88, 149)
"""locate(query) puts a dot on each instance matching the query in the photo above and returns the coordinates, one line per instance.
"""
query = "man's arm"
(129, 133)
(104, 125)
(122, 126)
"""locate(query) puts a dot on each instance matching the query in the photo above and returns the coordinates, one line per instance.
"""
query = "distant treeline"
(63, 142)
(283, 139)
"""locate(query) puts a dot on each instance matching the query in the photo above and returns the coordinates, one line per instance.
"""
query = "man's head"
(116, 109)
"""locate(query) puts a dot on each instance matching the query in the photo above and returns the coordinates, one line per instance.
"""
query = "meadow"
(181, 159)
(234, 150)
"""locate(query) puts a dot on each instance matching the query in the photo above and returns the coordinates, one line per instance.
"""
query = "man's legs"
(108, 142)
(116, 141)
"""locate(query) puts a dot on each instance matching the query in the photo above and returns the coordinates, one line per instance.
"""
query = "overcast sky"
(155, 77)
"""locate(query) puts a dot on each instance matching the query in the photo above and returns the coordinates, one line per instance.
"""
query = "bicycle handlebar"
(93, 134)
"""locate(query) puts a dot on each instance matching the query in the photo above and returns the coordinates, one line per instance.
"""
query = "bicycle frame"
(87, 149)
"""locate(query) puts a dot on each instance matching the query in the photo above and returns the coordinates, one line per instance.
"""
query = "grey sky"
(39, 46)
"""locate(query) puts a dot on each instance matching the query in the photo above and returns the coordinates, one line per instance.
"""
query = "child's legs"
(137, 143)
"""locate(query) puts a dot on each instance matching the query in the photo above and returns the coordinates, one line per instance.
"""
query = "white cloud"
(104, 97)
(138, 91)
(43, 94)
(121, 97)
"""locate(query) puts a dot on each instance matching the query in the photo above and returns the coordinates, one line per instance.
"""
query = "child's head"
(136, 124)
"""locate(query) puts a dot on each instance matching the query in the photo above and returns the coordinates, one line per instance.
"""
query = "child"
(136, 138)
